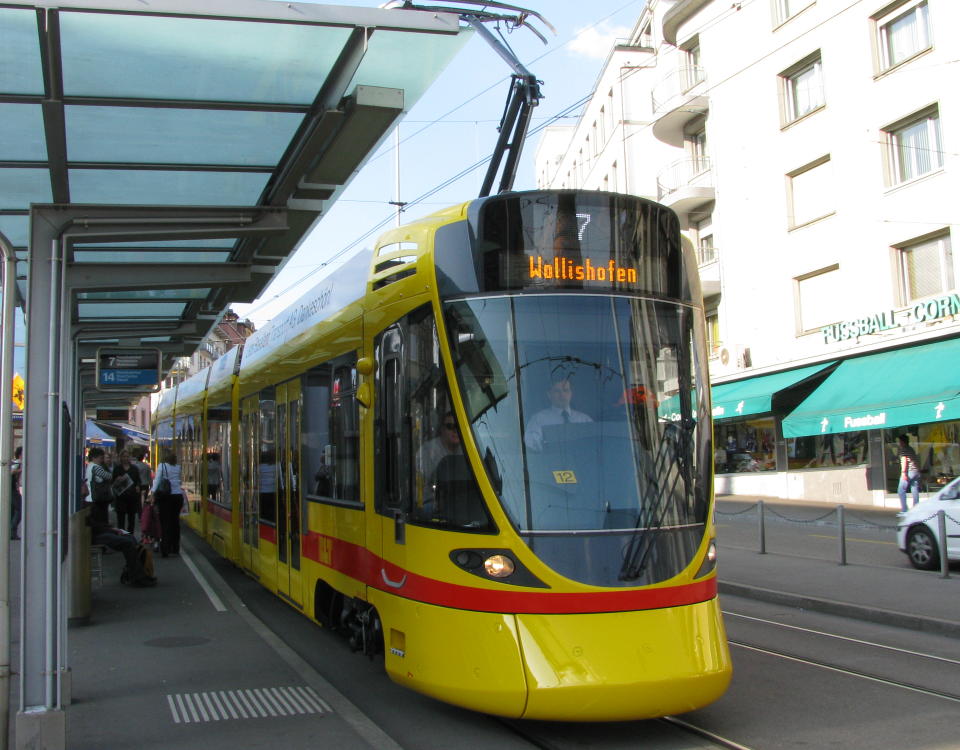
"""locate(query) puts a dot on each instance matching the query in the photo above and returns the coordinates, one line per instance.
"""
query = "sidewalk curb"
(844, 609)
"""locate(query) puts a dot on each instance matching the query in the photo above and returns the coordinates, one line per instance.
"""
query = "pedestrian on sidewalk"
(909, 472)
(126, 492)
(16, 498)
(168, 494)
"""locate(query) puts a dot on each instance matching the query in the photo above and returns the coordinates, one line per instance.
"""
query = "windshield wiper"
(669, 468)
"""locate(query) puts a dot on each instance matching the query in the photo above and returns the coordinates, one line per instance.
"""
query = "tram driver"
(560, 395)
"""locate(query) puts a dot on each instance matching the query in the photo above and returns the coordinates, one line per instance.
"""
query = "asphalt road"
(802, 680)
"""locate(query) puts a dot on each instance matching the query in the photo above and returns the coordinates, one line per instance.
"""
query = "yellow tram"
(484, 451)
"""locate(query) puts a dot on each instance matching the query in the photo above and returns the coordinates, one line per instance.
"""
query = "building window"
(938, 446)
(744, 445)
(714, 342)
(913, 147)
(696, 147)
(608, 122)
(903, 33)
(801, 88)
(692, 72)
(820, 451)
(926, 267)
(786, 9)
(819, 298)
(706, 252)
(810, 193)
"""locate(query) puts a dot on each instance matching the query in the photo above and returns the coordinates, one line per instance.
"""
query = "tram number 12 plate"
(564, 477)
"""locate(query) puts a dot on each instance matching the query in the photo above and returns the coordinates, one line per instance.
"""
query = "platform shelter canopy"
(243, 118)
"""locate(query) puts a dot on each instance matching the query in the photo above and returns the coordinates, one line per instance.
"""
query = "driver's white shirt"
(548, 417)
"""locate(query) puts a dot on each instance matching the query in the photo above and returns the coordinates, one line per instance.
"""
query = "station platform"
(187, 665)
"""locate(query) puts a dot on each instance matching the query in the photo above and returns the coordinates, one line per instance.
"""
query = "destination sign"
(131, 370)
(566, 241)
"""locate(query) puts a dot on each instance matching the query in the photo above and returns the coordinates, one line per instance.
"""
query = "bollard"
(944, 562)
(763, 535)
(843, 535)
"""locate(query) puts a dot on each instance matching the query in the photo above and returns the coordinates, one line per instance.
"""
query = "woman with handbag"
(168, 495)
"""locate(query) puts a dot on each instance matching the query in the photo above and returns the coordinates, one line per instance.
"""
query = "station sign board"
(113, 415)
(131, 370)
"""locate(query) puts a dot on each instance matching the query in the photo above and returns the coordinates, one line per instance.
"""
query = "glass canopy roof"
(177, 103)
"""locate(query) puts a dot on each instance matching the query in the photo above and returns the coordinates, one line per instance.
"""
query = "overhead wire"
(564, 113)
(466, 171)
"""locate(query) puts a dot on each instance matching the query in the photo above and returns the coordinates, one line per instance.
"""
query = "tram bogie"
(482, 454)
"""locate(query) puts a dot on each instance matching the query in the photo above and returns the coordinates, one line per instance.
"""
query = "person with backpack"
(101, 495)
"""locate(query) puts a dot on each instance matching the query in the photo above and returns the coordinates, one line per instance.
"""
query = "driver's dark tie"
(566, 416)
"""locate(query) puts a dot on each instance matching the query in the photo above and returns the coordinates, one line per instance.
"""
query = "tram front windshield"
(589, 414)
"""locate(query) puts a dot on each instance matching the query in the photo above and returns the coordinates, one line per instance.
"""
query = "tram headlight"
(498, 566)
(709, 560)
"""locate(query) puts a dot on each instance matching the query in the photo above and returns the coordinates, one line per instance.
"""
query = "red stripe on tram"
(363, 565)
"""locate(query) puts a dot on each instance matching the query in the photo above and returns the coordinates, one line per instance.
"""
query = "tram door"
(249, 490)
(390, 455)
(288, 491)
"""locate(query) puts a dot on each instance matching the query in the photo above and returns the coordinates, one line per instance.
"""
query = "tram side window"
(330, 434)
(188, 449)
(421, 467)
(218, 454)
(267, 464)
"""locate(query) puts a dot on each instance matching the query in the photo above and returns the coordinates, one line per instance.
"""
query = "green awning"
(916, 385)
(755, 395)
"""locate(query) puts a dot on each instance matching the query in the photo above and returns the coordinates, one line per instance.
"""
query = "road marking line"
(212, 595)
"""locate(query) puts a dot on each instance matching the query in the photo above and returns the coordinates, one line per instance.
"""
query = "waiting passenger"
(168, 494)
(126, 492)
(101, 531)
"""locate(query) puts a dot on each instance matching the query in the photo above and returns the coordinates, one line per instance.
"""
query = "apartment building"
(810, 150)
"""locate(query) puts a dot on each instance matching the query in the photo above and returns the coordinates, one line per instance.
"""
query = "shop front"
(838, 443)
(749, 452)
(870, 400)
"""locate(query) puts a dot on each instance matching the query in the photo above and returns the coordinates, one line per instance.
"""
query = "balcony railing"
(707, 255)
(683, 173)
(672, 90)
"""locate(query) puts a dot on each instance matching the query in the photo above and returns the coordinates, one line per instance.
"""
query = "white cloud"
(596, 41)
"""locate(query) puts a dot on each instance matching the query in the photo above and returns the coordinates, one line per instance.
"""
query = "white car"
(918, 530)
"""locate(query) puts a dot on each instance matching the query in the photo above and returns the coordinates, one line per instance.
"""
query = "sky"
(452, 127)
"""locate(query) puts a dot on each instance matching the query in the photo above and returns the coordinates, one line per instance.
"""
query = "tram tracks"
(848, 671)
(651, 734)
(799, 654)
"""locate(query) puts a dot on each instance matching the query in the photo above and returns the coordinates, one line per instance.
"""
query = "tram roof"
(200, 136)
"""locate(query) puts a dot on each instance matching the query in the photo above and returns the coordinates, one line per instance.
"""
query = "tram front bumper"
(624, 665)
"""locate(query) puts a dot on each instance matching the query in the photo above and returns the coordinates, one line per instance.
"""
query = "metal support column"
(40, 720)
(6, 454)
